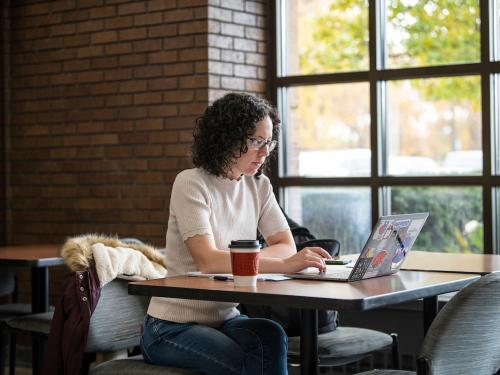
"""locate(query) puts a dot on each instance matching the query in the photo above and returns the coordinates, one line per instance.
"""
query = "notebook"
(383, 254)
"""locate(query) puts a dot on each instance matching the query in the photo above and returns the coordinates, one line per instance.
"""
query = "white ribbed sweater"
(228, 210)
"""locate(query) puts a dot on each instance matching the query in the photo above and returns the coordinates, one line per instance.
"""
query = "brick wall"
(104, 94)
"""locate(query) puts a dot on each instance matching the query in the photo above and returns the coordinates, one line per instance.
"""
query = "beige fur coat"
(113, 258)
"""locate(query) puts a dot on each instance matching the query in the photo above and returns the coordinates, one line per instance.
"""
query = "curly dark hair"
(221, 133)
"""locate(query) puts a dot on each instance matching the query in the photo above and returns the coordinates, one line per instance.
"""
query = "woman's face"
(250, 162)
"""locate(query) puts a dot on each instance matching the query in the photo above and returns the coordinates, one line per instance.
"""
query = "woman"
(226, 197)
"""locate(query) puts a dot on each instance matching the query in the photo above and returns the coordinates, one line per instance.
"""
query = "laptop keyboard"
(341, 274)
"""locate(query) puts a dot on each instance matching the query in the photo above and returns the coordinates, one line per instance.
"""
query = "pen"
(220, 278)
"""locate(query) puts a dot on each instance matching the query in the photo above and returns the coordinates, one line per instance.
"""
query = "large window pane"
(434, 126)
(323, 36)
(327, 130)
(340, 213)
(496, 30)
(455, 227)
(432, 32)
(495, 121)
(496, 219)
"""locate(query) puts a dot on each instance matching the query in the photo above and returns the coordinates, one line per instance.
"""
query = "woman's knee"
(266, 331)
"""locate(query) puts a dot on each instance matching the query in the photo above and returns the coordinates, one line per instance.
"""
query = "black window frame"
(485, 69)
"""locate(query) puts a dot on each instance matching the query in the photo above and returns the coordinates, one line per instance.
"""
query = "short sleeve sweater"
(202, 203)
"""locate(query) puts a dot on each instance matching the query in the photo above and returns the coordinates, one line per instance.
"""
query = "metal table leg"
(309, 342)
(39, 303)
(430, 311)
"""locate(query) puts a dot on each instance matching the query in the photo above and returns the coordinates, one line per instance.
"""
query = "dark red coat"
(80, 292)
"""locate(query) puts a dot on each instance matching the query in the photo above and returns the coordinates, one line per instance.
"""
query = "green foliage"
(450, 210)
(430, 32)
(340, 39)
(439, 32)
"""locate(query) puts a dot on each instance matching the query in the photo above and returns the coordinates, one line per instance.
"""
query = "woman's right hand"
(307, 257)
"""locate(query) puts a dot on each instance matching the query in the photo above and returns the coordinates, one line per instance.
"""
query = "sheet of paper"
(229, 276)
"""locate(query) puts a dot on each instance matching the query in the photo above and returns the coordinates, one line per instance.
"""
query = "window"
(390, 106)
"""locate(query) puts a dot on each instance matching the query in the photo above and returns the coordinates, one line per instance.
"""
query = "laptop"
(384, 251)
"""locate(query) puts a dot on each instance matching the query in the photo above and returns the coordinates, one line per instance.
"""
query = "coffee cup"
(245, 262)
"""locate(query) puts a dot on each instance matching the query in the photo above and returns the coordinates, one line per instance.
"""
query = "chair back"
(116, 323)
(7, 282)
(465, 336)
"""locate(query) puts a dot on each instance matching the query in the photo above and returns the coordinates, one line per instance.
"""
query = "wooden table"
(481, 264)
(38, 258)
(311, 295)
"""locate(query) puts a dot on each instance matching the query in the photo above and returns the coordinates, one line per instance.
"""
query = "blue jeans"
(242, 345)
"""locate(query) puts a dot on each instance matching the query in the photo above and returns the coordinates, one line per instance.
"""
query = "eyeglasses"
(258, 144)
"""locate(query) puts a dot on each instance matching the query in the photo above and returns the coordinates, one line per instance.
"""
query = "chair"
(465, 336)
(347, 345)
(115, 325)
(8, 287)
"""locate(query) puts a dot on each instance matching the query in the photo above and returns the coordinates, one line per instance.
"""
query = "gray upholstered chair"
(465, 336)
(126, 313)
(347, 345)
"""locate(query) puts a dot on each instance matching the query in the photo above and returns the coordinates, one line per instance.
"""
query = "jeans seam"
(191, 350)
(144, 351)
(262, 352)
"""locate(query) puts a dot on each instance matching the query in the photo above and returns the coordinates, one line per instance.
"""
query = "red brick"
(136, 59)
(178, 96)
(162, 84)
(104, 62)
(133, 34)
(162, 30)
(133, 86)
(65, 29)
(148, 19)
(193, 81)
(165, 137)
(177, 15)
(76, 40)
(103, 12)
(132, 112)
(89, 26)
(104, 37)
(147, 71)
(118, 100)
(104, 139)
(76, 15)
(89, 52)
(161, 5)
(162, 110)
(34, 9)
(134, 138)
(178, 69)
(132, 8)
(178, 42)
(148, 151)
(147, 98)
(147, 45)
(193, 27)
(119, 22)
(90, 76)
(162, 57)
(149, 124)
(104, 88)
(118, 49)
(192, 3)
(193, 54)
